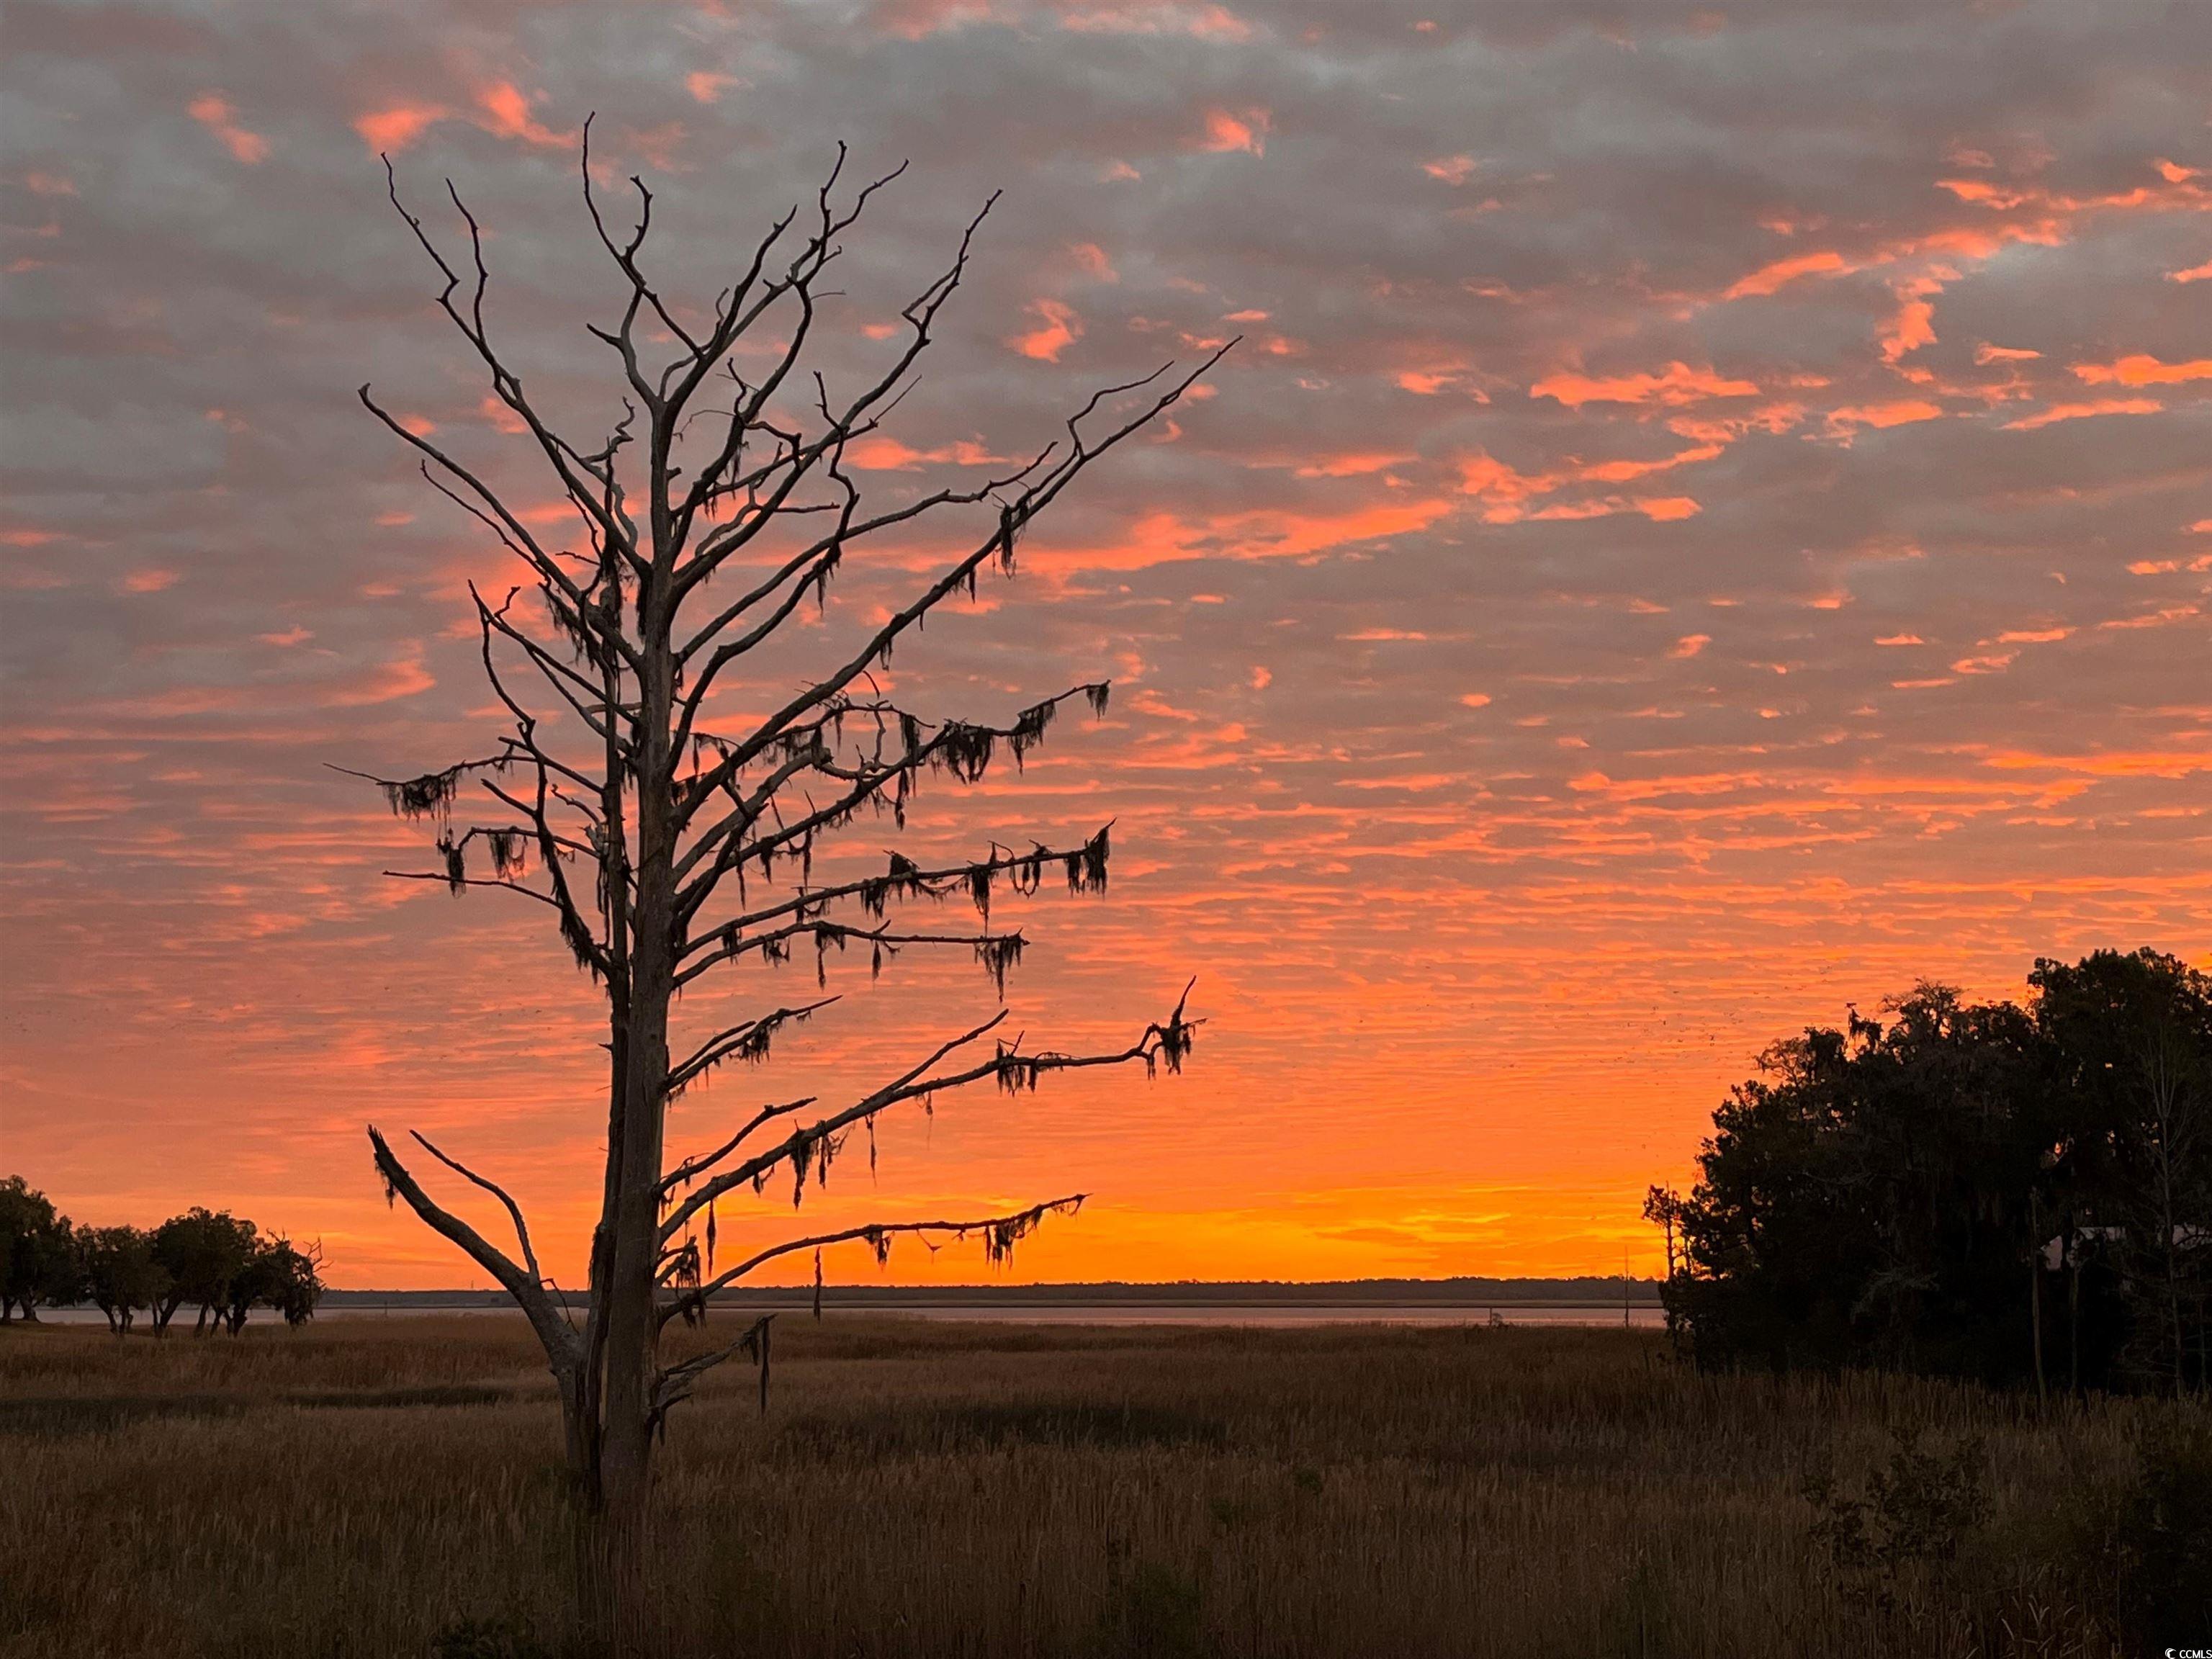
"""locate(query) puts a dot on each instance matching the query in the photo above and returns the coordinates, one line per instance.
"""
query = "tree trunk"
(625, 1427)
(2072, 1311)
(2035, 1297)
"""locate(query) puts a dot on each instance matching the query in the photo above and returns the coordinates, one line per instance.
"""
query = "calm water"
(1285, 1316)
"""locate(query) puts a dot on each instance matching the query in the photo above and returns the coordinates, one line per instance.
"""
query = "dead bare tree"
(668, 850)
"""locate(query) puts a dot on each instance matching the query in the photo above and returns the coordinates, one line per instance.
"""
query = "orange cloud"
(1225, 133)
(878, 453)
(1203, 22)
(913, 20)
(1985, 353)
(1091, 260)
(1679, 384)
(1357, 464)
(1058, 328)
(1428, 381)
(705, 86)
(506, 114)
(2117, 764)
(1261, 533)
(403, 678)
(391, 130)
(2194, 274)
(1501, 485)
(1902, 412)
(1689, 645)
(1914, 324)
(1622, 471)
(1452, 169)
(2058, 412)
(219, 116)
(1771, 277)
(2142, 369)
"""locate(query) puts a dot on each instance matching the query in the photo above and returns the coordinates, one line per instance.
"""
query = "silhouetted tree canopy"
(205, 1254)
(212, 1258)
(38, 1251)
(121, 1276)
(1975, 1189)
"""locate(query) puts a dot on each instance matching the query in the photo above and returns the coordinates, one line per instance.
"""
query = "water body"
(1266, 1315)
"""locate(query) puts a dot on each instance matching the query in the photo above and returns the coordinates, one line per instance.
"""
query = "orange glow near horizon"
(1607, 614)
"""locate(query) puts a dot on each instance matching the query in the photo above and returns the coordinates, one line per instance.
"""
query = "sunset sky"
(1710, 521)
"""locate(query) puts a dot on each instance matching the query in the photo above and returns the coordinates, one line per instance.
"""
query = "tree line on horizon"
(218, 1262)
(2022, 1194)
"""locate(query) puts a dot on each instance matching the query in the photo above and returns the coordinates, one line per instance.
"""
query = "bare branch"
(560, 1343)
(1000, 1234)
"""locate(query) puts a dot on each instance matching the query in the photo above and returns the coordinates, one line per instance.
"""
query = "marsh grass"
(391, 1488)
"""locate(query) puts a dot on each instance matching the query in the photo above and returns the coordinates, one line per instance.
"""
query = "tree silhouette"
(38, 1251)
(668, 847)
(119, 1273)
(205, 1254)
(1910, 1192)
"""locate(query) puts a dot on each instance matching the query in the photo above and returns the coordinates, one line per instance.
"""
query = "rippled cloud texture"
(1709, 521)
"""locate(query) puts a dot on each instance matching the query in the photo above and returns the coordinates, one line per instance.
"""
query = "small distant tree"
(292, 1280)
(119, 1273)
(669, 845)
(38, 1251)
(279, 1275)
(204, 1253)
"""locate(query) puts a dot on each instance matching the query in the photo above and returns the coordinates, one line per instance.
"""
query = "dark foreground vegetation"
(205, 1259)
(394, 1487)
(2020, 1195)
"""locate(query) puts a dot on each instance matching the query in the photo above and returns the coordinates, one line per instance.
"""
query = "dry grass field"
(390, 1487)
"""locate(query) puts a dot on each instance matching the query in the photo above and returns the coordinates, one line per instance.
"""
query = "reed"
(394, 1486)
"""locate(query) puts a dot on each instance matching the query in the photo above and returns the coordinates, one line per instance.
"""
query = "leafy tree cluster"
(2016, 1194)
(210, 1260)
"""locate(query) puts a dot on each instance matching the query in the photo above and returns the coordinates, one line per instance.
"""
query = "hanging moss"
(964, 749)
(998, 953)
(456, 869)
(428, 796)
(754, 1345)
(508, 849)
(1086, 865)
(1017, 1072)
(1001, 1237)
(1097, 695)
(1029, 728)
(580, 943)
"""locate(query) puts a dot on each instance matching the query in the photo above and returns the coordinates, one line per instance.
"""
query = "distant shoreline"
(1378, 1293)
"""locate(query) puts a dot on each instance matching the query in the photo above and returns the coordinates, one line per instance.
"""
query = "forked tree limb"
(555, 1332)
